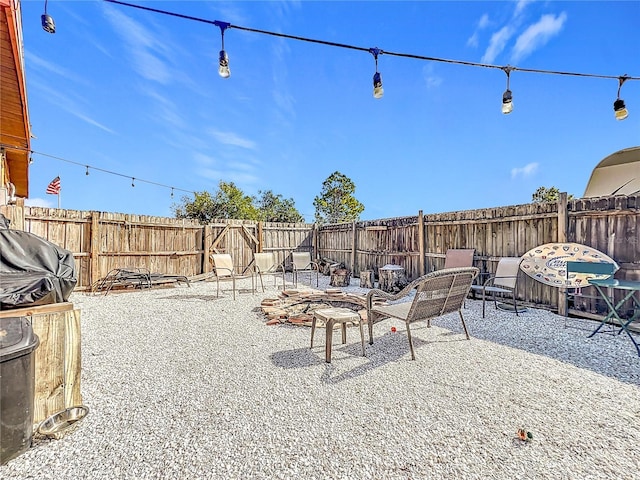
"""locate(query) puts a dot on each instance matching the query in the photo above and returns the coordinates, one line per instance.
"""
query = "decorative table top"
(547, 263)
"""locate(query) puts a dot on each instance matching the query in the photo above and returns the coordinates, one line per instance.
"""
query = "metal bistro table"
(632, 287)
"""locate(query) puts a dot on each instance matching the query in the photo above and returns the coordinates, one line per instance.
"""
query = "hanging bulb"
(171, 192)
(87, 172)
(223, 69)
(620, 109)
(378, 91)
(507, 102)
(133, 182)
(48, 25)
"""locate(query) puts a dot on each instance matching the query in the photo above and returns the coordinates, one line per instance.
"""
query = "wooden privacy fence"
(102, 241)
(419, 243)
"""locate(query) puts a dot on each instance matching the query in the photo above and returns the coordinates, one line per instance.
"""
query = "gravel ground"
(183, 385)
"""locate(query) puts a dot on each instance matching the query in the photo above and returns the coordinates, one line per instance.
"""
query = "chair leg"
(515, 305)
(483, 300)
(464, 325)
(370, 325)
(413, 355)
(313, 329)
(361, 336)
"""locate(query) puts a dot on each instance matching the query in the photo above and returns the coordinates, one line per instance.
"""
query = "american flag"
(54, 187)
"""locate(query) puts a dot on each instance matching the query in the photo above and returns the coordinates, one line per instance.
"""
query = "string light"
(619, 108)
(133, 182)
(33, 152)
(223, 68)
(378, 91)
(48, 25)
(171, 192)
(87, 172)
(507, 98)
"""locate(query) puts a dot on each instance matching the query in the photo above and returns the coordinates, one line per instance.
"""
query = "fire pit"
(296, 307)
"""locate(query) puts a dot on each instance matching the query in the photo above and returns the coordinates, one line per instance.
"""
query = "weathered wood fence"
(419, 243)
(102, 241)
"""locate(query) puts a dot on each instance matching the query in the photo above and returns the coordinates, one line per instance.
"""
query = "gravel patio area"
(183, 385)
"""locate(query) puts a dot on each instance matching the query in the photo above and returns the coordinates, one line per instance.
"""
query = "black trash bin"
(17, 384)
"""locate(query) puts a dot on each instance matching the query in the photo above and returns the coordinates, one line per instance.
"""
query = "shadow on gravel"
(388, 348)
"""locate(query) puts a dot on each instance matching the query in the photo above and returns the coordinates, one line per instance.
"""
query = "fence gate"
(235, 238)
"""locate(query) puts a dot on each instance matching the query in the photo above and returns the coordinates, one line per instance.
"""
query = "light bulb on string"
(507, 97)
(171, 192)
(619, 107)
(48, 25)
(87, 172)
(133, 182)
(378, 91)
(223, 59)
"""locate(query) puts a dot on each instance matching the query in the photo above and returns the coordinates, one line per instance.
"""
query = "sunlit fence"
(103, 241)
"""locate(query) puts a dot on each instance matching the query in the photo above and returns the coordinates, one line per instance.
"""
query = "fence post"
(353, 248)
(562, 217)
(260, 245)
(206, 264)
(562, 237)
(94, 253)
(421, 243)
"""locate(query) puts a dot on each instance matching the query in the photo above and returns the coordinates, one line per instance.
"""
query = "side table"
(331, 316)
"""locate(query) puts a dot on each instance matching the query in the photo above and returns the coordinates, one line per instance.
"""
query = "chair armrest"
(391, 296)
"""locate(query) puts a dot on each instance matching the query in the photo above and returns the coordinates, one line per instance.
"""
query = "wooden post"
(353, 247)
(421, 243)
(562, 217)
(260, 238)
(562, 237)
(206, 238)
(94, 252)
(314, 241)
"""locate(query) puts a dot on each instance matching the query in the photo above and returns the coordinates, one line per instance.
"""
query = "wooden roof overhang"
(15, 130)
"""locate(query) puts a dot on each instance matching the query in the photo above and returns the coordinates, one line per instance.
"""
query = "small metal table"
(631, 287)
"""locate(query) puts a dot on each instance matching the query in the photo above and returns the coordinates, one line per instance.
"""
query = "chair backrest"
(301, 260)
(441, 292)
(223, 264)
(459, 257)
(507, 272)
(265, 262)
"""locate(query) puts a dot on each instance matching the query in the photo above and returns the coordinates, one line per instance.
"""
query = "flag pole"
(58, 200)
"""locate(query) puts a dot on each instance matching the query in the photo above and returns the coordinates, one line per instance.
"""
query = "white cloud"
(526, 171)
(230, 138)
(431, 79)
(520, 6)
(143, 46)
(497, 44)
(537, 35)
(482, 24)
(39, 202)
(37, 62)
(484, 21)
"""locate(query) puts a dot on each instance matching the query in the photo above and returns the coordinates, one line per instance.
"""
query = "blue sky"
(138, 93)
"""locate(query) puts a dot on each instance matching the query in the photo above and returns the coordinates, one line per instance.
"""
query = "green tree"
(227, 202)
(273, 208)
(547, 195)
(336, 203)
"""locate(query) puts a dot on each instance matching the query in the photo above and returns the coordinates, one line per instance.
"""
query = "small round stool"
(331, 316)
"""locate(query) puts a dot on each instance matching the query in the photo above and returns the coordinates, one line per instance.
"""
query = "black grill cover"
(33, 271)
